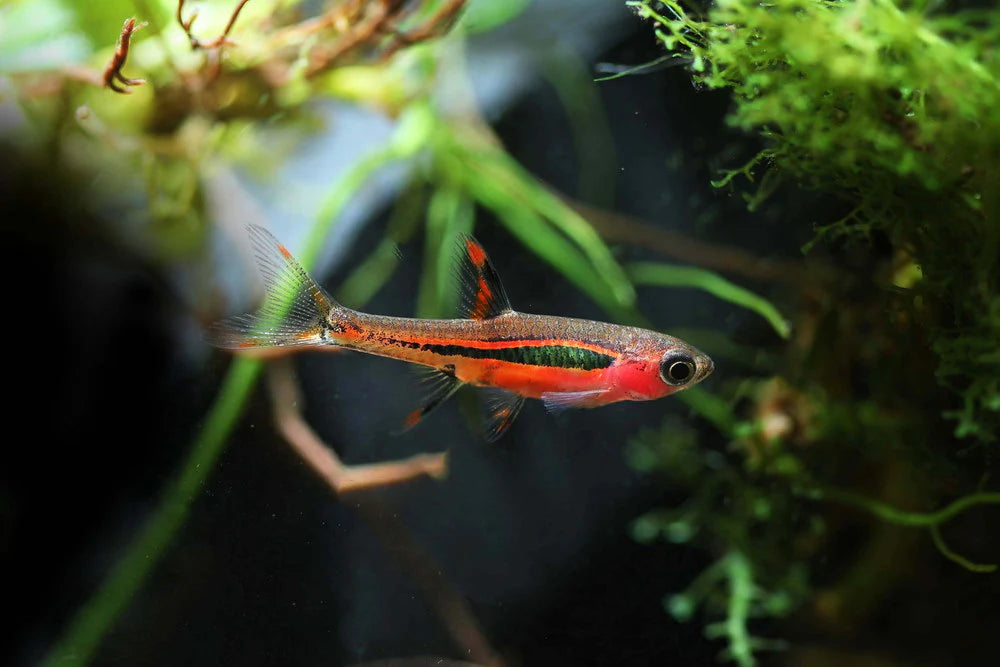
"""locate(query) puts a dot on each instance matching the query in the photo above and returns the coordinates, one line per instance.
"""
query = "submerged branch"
(88, 627)
(438, 23)
(412, 559)
(285, 399)
(619, 228)
(376, 17)
(427, 575)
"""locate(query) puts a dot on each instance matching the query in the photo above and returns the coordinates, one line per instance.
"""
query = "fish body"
(563, 361)
(531, 355)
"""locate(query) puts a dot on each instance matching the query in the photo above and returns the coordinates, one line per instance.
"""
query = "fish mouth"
(705, 366)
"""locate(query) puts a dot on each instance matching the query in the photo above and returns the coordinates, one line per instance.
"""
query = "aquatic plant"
(765, 505)
(891, 107)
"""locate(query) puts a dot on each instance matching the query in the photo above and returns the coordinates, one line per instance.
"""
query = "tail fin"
(295, 308)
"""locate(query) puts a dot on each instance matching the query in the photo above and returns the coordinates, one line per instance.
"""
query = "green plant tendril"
(93, 620)
(958, 558)
(896, 515)
(930, 520)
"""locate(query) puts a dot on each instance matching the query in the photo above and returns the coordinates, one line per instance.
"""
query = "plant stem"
(740, 594)
(939, 542)
(898, 516)
(92, 621)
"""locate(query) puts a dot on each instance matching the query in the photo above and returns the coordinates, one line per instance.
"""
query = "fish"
(511, 356)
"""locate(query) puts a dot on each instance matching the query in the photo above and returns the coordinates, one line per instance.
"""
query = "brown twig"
(617, 227)
(218, 42)
(356, 24)
(341, 478)
(418, 565)
(113, 72)
(435, 26)
(340, 16)
(421, 568)
(621, 228)
(377, 15)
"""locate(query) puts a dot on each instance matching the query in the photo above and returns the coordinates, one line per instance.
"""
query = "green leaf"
(545, 224)
(525, 187)
(448, 215)
(485, 15)
(671, 275)
(570, 77)
(373, 273)
(681, 607)
(491, 187)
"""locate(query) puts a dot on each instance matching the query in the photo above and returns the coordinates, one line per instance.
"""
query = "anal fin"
(441, 385)
(502, 408)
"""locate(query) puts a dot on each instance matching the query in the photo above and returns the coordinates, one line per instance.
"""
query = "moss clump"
(897, 109)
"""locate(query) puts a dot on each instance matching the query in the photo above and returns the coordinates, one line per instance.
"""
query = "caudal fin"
(295, 308)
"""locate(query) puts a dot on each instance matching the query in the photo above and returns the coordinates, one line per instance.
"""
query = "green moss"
(896, 109)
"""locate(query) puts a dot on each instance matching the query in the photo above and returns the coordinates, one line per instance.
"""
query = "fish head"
(660, 365)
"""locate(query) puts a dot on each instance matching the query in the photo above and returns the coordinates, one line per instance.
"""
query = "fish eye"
(677, 369)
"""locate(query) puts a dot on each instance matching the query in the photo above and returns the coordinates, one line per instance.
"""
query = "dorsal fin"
(483, 295)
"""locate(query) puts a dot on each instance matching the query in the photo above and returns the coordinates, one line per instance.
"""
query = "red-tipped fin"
(441, 385)
(483, 295)
(502, 409)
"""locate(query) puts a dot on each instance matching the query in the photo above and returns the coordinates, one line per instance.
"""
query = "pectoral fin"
(559, 401)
